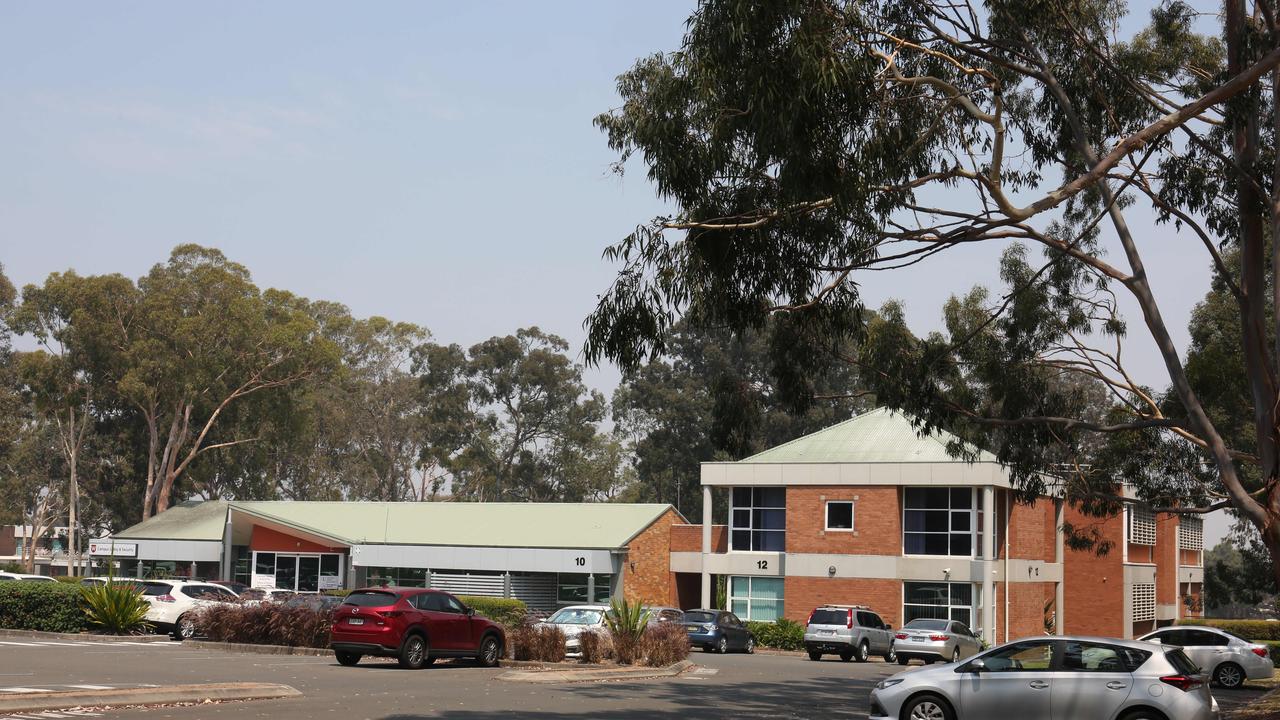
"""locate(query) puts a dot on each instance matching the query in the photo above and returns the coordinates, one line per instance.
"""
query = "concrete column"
(1059, 556)
(988, 563)
(228, 565)
(591, 587)
(706, 545)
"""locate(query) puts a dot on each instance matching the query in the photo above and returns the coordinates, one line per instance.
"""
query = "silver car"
(575, 620)
(1227, 659)
(1053, 678)
(935, 640)
(852, 632)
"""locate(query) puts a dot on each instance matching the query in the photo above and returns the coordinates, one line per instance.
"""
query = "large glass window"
(937, 600)
(938, 521)
(839, 515)
(572, 589)
(296, 572)
(759, 519)
(756, 598)
(396, 577)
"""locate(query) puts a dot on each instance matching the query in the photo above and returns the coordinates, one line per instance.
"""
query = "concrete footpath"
(167, 695)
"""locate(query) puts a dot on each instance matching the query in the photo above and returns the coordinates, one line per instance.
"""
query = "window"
(938, 521)
(839, 515)
(397, 577)
(941, 600)
(1191, 533)
(1202, 638)
(572, 589)
(961, 629)
(759, 519)
(1034, 656)
(1144, 602)
(756, 598)
(1142, 525)
(1078, 656)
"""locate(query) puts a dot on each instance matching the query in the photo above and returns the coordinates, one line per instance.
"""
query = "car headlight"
(887, 683)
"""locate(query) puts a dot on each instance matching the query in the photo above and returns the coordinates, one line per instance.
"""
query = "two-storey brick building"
(869, 512)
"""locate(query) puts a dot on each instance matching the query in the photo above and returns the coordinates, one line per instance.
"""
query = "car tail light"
(850, 624)
(810, 620)
(938, 638)
(900, 636)
(1182, 682)
(389, 613)
(165, 598)
(1259, 650)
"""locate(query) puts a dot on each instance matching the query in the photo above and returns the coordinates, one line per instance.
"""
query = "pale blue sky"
(429, 162)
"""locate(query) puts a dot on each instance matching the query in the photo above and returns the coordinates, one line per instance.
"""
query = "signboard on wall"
(111, 548)
(264, 582)
(330, 582)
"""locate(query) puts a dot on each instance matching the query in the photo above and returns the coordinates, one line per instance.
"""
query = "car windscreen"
(830, 617)
(370, 599)
(1179, 660)
(153, 589)
(699, 617)
(569, 616)
(924, 624)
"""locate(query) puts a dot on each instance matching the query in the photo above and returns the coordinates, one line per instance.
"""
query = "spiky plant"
(116, 608)
(626, 623)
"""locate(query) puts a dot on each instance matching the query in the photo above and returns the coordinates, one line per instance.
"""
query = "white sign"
(330, 582)
(264, 582)
(109, 548)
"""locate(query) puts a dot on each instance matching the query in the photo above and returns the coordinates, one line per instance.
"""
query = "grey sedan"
(1227, 659)
(1052, 679)
(935, 640)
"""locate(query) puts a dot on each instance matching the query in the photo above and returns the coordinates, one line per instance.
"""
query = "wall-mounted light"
(831, 571)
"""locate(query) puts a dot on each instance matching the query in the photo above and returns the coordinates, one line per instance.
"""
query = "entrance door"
(308, 573)
(286, 572)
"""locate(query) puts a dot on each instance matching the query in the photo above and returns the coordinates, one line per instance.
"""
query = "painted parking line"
(20, 644)
(23, 690)
(90, 687)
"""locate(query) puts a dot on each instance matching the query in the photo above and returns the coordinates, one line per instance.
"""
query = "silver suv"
(853, 632)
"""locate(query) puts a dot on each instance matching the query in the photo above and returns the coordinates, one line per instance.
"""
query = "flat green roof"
(878, 436)
(515, 525)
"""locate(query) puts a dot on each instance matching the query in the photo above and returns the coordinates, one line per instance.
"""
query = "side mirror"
(471, 611)
(976, 666)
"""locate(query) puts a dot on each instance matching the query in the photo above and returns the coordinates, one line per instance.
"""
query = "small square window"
(839, 514)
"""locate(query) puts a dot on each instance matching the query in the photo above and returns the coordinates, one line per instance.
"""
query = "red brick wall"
(1028, 538)
(8, 546)
(268, 540)
(1026, 609)
(1142, 553)
(1094, 586)
(647, 575)
(1166, 559)
(803, 594)
(688, 538)
(877, 521)
(1190, 557)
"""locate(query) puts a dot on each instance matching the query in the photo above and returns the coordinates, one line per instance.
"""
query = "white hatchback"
(174, 603)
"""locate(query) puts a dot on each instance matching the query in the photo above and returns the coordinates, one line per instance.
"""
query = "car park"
(1227, 659)
(853, 632)
(718, 631)
(25, 577)
(931, 640)
(575, 620)
(1053, 677)
(659, 615)
(174, 604)
(413, 625)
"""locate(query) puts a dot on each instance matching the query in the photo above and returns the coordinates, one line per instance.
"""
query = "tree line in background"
(192, 382)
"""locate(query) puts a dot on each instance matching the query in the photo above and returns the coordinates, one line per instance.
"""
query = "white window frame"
(342, 570)
(749, 598)
(974, 608)
(853, 515)
(750, 528)
(974, 513)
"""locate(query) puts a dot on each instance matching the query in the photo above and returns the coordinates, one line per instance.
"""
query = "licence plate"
(355, 621)
(826, 632)
(693, 630)
(917, 638)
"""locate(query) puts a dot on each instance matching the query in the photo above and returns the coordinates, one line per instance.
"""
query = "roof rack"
(844, 607)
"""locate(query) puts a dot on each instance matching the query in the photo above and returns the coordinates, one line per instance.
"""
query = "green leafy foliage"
(626, 623)
(1255, 630)
(504, 611)
(44, 606)
(783, 634)
(115, 608)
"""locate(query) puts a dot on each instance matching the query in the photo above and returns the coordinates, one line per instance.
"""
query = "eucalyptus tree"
(806, 142)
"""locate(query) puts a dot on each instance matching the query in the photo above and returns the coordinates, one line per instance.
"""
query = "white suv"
(174, 602)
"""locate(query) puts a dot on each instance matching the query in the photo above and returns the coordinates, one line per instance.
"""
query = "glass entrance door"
(299, 572)
(308, 573)
(286, 572)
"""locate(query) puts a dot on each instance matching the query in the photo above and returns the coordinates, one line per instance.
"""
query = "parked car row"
(8, 576)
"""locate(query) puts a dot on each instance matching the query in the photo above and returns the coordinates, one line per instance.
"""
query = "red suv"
(414, 625)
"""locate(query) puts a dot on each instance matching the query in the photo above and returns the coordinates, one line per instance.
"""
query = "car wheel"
(926, 707)
(414, 652)
(891, 656)
(903, 661)
(347, 658)
(184, 629)
(1229, 675)
(815, 655)
(863, 652)
(955, 655)
(846, 655)
(722, 647)
(490, 651)
(751, 646)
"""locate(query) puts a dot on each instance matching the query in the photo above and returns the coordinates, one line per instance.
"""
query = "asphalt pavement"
(728, 686)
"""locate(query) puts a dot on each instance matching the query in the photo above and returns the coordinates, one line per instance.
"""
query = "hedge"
(44, 606)
(265, 624)
(1256, 630)
(782, 635)
(504, 611)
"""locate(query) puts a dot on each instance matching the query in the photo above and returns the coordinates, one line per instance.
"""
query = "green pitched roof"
(522, 525)
(878, 436)
(193, 520)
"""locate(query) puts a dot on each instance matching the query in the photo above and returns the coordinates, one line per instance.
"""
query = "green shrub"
(340, 592)
(504, 611)
(12, 567)
(115, 608)
(1255, 630)
(68, 579)
(265, 624)
(45, 606)
(626, 623)
(664, 644)
(783, 634)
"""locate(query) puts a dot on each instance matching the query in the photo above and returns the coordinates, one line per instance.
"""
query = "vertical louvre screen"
(1191, 533)
(1142, 526)
(537, 591)
(1144, 602)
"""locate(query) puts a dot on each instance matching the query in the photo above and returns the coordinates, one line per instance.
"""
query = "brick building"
(869, 512)
(547, 554)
